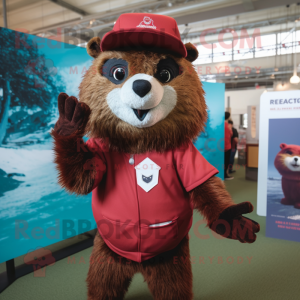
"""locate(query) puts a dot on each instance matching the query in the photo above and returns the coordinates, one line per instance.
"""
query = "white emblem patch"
(147, 174)
(147, 23)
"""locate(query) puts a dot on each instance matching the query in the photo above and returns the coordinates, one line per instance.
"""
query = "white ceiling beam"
(104, 14)
(271, 23)
(17, 5)
(233, 10)
(248, 5)
(70, 7)
(4, 13)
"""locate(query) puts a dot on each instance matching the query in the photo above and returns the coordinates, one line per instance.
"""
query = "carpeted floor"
(267, 269)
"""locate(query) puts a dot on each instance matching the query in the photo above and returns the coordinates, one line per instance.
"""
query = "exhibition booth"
(113, 166)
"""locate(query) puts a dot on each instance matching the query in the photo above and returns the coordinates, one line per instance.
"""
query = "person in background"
(234, 142)
(227, 146)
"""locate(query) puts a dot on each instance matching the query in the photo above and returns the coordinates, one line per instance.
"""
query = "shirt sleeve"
(192, 168)
(235, 133)
(228, 135)
(228, 131)
(98, 161)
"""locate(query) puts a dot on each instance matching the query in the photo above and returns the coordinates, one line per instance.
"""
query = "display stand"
(252, 161)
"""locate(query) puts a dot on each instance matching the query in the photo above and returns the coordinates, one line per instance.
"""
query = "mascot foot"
(286, 201)
(297, 205)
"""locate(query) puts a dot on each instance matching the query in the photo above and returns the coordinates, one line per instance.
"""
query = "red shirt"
(228, 135)
(143, 209)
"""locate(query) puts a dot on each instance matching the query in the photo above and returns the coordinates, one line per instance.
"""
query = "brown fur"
(283, 169)
(280, 157)
(192, 52)
(290, 180)
(168, 275)
(93, 47)
(167, 279)
(211, 198)
(70, 159)
(280, 162)
(184, 123)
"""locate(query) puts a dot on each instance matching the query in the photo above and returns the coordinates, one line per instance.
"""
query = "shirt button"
(131, 160)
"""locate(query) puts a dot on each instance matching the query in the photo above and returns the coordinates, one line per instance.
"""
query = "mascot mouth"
(141, 113)
(295, 165)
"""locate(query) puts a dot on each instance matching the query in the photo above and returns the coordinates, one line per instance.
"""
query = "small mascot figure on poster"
(142, 104)
(287, 162)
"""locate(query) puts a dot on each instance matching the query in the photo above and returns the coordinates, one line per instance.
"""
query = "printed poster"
(279, 164)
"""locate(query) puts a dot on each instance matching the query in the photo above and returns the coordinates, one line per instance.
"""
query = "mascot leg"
(109, 275)
(169, 275)
(297, 205)
(287, 192)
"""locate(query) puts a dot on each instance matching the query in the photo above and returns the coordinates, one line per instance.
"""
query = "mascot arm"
(223, 216)
(75, 162)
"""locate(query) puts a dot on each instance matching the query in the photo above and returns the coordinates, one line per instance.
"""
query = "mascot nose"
(296, 159)
(141, 87)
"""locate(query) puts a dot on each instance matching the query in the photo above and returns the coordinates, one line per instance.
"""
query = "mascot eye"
(119, 74)
(164, 76)
(115, 70)
(289, 152)
(167, 70)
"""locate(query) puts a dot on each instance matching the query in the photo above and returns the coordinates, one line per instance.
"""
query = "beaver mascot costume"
(142, 103)
(287, 162)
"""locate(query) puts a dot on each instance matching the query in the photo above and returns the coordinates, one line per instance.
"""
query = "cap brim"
(149, 39)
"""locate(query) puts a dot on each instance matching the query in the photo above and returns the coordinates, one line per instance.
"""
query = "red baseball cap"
(145, 30)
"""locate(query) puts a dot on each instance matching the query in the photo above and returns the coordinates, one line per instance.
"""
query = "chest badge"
(147, 173)
(147, 179)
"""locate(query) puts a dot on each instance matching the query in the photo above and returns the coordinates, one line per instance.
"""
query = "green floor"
(273, 273)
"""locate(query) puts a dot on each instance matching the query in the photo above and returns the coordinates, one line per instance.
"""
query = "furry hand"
(231, 224)
(73, 115)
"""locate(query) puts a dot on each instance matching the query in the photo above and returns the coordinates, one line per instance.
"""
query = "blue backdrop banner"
(211, 142)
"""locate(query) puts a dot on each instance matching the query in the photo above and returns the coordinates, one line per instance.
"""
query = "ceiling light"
(170, 4)
(295, 79)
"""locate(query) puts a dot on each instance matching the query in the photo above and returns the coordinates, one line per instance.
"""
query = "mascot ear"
(192, 52)
(93, 47)
(282, 146)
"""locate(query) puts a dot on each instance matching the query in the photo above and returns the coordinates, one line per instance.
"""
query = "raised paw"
(73, 115)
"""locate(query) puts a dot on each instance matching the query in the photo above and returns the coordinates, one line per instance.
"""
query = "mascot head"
(142, 89)
(287, 161)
